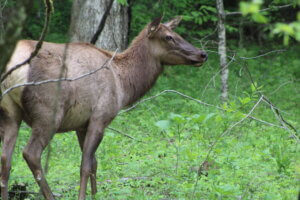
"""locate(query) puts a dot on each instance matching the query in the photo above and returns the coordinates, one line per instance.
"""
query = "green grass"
(173, 136)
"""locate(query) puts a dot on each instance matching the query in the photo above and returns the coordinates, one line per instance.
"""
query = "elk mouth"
(198, 59)
(196, 63)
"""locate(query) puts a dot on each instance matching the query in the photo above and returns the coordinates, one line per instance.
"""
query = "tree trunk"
(222, 50)
(86, 17)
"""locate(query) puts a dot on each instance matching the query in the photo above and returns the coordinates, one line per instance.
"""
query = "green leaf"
(163, 124)
(177, 118)
(259, 18)
(123, 2)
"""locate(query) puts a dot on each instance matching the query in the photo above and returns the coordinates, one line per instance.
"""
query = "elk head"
(171, 48)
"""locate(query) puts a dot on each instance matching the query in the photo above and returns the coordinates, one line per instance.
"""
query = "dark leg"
(39, 139)
(9, 140)
(81, 137)
(92, 140)
(10, 119)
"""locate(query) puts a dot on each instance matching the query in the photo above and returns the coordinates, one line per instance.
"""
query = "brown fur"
(86, 105)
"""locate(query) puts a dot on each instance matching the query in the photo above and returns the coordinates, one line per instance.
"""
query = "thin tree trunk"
(86, 17)
(222, 50)
(241, 33)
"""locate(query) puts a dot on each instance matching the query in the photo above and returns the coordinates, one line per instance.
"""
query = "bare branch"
(196, 100)
(262, 10)
(217, 73)
(124, 134)
(219, 137)
(273, 51)
(107, 62)
(277, 111)
(283, 122)
(285, 83)
(48, 4)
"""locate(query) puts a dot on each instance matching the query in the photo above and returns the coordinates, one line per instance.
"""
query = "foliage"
(286, 30)
(59, 24)
(196, 15)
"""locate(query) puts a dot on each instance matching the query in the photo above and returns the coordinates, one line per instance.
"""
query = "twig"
(218, 72)
(282, 121)
(48, 4)
(167, 91)
(125, 179)
(219, 137)
(121, 133)
(277, 111)
(248, 58)
(107, 62)
(262, 10)
(274, 91)
(273, 51)
(196, 100)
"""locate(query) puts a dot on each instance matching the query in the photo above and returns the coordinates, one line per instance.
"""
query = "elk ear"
(154, 26)
(174, 22)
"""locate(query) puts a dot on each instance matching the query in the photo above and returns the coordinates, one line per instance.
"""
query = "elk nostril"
(203, 55)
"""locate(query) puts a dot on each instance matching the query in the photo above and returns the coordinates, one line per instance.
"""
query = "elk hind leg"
(92, 140)
(10, 119)
(81, 137)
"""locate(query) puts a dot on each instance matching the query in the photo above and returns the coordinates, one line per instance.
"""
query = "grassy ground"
(173, 135)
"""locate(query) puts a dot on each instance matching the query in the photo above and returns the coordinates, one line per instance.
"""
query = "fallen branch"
(196, 100)
(282, 121)
(125, 179)
(124, 134)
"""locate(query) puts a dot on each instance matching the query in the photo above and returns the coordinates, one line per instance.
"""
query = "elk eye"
(168, 38)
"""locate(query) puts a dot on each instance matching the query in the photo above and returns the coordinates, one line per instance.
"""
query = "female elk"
(86, 105)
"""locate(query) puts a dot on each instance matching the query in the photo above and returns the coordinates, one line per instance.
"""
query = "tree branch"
(107, 62)
(102, 23)
(48, 4)
(197, 101)
(219, 137)
(266, 9)
(124, 134)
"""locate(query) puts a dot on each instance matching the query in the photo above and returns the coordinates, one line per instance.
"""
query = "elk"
(86, 105)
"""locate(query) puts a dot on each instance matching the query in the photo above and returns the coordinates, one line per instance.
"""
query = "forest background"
(183, 141)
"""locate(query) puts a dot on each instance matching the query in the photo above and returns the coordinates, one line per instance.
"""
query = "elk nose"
(204, 55)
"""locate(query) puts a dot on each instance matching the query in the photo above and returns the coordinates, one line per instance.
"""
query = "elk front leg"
(39, 139)
(92, 140)
(81, 137)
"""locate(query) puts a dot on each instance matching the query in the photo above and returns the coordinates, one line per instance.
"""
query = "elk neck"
(137, 69)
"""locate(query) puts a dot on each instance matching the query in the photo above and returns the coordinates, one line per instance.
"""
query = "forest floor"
(181, 148)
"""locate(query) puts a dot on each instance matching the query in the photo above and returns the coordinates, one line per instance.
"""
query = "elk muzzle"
(197, 58)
